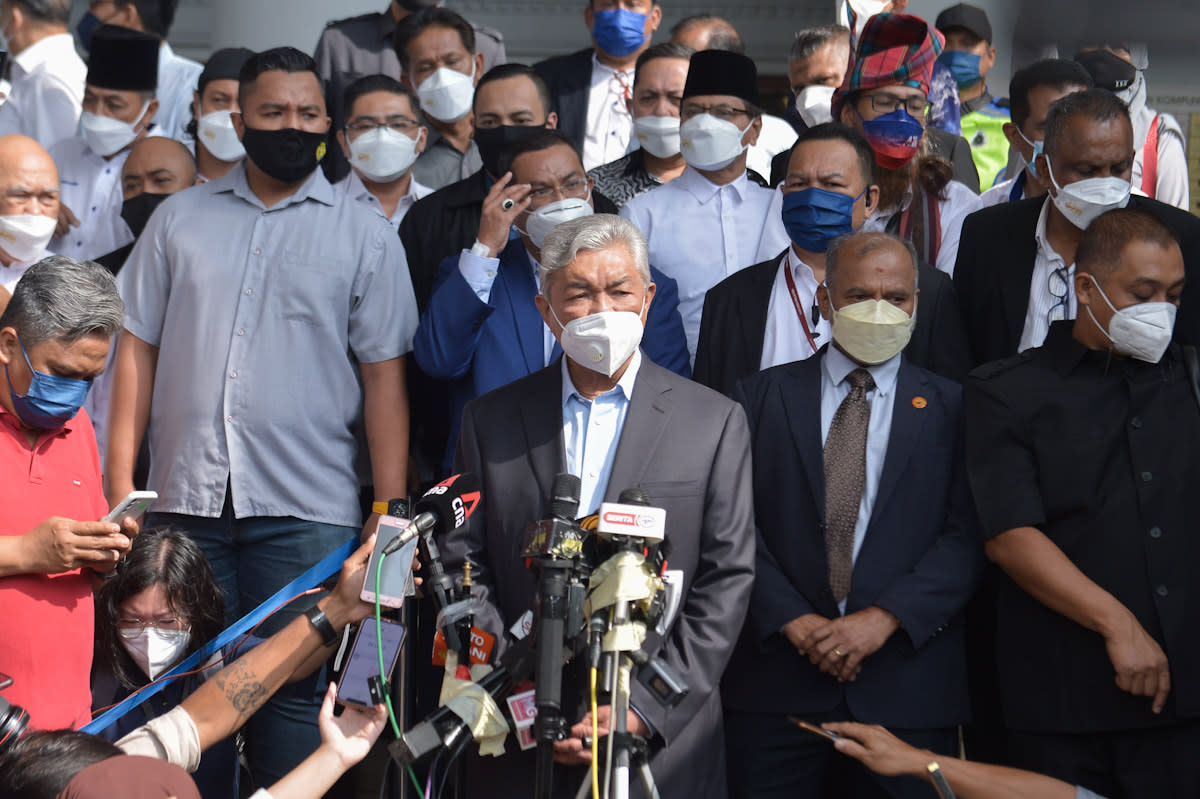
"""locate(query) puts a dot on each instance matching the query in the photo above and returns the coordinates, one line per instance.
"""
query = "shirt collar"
(316, 187)
(49, 49)
(837, 366)
(798, 267)
(357, 190)
(1039, 233)
(624, 385)
(704, 189)
(602, 72)
(980, 102)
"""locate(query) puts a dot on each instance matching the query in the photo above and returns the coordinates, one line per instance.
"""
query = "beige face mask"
(872, 331)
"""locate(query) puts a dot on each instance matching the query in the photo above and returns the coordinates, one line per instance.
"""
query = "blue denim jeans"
(253, 558)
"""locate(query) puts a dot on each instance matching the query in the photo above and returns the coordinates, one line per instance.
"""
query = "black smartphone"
(814, 729)
(363, 663)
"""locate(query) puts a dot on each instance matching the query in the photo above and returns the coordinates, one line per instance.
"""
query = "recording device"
(814, 729)
(134, 505)
(396, 582)
(13, 718)
(354, 687)
(558, 535)
(446, 506)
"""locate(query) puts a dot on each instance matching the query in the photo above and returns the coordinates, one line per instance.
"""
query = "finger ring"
(839, 653)
(508, 204)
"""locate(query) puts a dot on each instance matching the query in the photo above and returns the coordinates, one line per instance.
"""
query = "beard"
(893, 184)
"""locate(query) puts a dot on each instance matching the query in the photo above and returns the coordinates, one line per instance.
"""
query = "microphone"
(446, 506)
(558, 535)
(631, 517)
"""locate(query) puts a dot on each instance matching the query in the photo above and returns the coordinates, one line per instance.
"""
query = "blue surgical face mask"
(813, 217)
(1037, 150)
(618, 31)
(86, 27)
(963, 66)
(51, 401)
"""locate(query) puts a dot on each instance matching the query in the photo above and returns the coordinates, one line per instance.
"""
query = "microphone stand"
(550, 634)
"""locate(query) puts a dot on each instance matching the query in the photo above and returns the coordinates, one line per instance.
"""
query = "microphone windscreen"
(564, 499)
(634, 496)
(452, 501)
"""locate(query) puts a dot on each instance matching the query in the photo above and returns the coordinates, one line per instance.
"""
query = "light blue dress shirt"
(591, 430)
(835, 367)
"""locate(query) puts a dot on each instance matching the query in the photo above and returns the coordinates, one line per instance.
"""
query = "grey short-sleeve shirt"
(260, 317)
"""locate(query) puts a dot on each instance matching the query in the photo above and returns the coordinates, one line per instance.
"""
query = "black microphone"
(446, 506)
(558, 535)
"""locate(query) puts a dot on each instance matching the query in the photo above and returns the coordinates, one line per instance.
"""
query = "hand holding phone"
(363, 664)
(135, 505)
(814, 729)
(396, 582)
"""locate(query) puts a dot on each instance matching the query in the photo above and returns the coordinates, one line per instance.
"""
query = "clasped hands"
(839, 646)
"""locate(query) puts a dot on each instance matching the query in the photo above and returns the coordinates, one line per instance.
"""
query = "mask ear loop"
(1107, 302)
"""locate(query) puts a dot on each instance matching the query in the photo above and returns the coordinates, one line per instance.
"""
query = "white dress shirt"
(91, 188)
(835, 366)
(700, 233)
(177, 80)
(591, 431)
(960, 201)
(775, 137)
(480, 274)
(1042, 302)
(784, 340)
(609, 133)
(355, 189)
(47, 91)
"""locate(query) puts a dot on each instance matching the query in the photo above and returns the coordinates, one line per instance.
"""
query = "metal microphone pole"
(549, 726)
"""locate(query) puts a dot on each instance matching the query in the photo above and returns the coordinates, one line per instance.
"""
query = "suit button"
(1156, 532)
(1136, 423)
(1147, 477)
(1161, 590)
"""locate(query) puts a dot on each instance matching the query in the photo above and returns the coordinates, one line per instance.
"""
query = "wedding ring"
(508, 204)
(839, 653)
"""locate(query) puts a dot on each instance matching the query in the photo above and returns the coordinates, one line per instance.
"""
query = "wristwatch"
(320, 621)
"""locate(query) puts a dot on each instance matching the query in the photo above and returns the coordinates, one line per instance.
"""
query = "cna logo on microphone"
(636, 521)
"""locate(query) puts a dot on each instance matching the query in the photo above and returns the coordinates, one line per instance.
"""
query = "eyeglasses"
(132, 628)
(1059, 286)
(577, 189)
(885, 103)
(398, 124)
(723, 112)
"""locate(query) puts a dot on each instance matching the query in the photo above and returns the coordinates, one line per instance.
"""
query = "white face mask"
(107, 136)
(155, 650)
(1083, 201)
(871, 331)
(814, 104)
(603, 341)
(446, 95)
(544, 219)
(1141, 331)
(25, 236)
(658, 136)
(709, 143)
(215, 131)
(382, 154)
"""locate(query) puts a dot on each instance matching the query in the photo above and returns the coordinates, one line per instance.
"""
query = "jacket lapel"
(908, 422)
(645, 421)
(516, 273)
(1018, 274)
(542, 419)
(800, 397)
(753, 309)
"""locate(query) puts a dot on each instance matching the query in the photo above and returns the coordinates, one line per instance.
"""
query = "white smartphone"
(396, 581)
(135, 505)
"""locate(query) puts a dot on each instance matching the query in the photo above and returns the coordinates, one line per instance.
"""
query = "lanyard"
(314, 576)
(791, 285)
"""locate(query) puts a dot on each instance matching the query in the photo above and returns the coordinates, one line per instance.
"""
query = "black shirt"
(1102, 454)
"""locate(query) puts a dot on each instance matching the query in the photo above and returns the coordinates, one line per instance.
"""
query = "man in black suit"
(867, 548)
(767, 315)
(589, 88)
(618, 422)
(1016, 260)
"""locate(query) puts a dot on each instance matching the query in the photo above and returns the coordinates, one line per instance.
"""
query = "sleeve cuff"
(480, 273)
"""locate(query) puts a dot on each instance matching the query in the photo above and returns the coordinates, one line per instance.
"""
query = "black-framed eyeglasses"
(886, 103)
(1059, 286)
(727, 113)
(398, 124)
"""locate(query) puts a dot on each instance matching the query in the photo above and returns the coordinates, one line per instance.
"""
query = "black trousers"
(1135, 764)
(771, 758)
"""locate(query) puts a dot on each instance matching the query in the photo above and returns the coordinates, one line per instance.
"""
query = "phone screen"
(363, 664)
(396, 580)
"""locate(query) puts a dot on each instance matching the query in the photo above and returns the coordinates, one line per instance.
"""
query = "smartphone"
(814, 729)
(363, 663)
(5, 681)
(396, 581)
(135, 504)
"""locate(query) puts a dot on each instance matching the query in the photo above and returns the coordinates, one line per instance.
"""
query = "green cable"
(387, 696)
(412, 775)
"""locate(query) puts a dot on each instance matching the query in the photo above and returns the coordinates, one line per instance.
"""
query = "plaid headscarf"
(894, 49)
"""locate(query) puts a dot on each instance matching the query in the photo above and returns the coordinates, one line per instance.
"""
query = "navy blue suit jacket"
(920, 559)
(479, 346)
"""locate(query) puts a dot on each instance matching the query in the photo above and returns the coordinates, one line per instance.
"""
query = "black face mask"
(288, 155)
(416, 5)
(1108, 71)
(492, 142)
(136, 210)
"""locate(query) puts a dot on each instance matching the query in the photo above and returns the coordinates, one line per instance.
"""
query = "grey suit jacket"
(688, 447)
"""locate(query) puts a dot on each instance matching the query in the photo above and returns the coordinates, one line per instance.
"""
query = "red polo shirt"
(46, 626)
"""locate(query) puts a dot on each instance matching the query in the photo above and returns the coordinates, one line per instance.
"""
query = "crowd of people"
(910, 366)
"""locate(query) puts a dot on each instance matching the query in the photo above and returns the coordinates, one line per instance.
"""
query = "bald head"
(860, 258)
(28, 178)
(707, 32)
(157, 165)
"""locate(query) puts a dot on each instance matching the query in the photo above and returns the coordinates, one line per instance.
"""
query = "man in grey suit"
(617, 422)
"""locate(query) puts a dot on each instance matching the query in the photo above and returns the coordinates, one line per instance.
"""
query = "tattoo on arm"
(241, 687)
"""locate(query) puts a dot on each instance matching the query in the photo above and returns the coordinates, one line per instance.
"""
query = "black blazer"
(570, 79)
(996, 256)
(735, 320)
(920, 559)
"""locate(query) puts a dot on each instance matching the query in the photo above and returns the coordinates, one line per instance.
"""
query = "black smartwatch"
(320, 621)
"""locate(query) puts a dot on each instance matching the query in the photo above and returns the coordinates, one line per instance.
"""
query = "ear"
(651, 290)
(1083, 289)
(345, 145)
(871, 198)
(407, 81)
(552, 120)
(9, 346)
(148, 117)
(478, 67)
(422, 138)
(543, 306)
(1012, 133)
(588, 16)
(239, 124)
(654, 19)
(196, 105)
(823, 302)
(1043, 170)
(755, 129)
(328, 125)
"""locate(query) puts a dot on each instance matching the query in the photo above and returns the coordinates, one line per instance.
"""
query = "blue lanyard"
(314, 576)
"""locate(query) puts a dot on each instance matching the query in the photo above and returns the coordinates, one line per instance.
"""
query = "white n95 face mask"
(871, 331)
(658, 136)
(546, 218)
(603, 341)
(25, 236)
(107, 136)
(382, 154)
(446, 95)
(815, 104)
(1141, 331)
(215, 131)
(155, 650)
(1084, 200)
(709, 143)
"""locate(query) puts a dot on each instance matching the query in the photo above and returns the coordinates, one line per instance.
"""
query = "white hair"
(593, 232)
